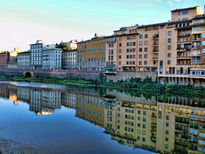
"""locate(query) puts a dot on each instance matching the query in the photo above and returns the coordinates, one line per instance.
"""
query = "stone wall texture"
(84, 75)
(128, 75)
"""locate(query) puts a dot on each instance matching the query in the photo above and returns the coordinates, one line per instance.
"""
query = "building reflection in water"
(161, 124)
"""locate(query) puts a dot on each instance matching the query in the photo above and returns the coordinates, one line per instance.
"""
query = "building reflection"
(165, 124)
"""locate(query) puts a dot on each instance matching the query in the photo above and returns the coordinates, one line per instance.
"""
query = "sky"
(22, 22)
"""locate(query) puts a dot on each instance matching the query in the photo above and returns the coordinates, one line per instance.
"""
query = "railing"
(156, 51)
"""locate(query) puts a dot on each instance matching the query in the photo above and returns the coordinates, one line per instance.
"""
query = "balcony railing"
(155, 44)
(196, 46)
(196, 39)
(155, 51)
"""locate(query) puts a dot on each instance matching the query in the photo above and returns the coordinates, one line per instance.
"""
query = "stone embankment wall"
(84, 75)
(128, 75)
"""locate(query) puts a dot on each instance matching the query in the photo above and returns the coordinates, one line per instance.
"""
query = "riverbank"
(11, 146)
(133, 85)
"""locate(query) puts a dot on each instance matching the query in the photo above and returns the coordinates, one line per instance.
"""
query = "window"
(120, 51)
(179, 13)
(145, 62)
(119, 62)
(168, 62)
(146, 36)
(141, 36)
(128, 44)
(140, 49)
(203, 43)
(145, 56)
(145, 49)
(169, 40)
(145, 42)
(140, 56)
(169, 33)
(120, 44)
(203, 35)
(185, 12)
(140, 43)
(133, 43)
(169, 55)
(120, 57)
(184, 19)
(169, 47)
(140, 62)
(162, 27)
(166, 146)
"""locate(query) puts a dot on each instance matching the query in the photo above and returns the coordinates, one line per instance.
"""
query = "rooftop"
(184, 9)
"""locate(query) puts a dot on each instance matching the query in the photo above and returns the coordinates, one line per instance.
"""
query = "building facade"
(121, 50)
(174, 49)
(4, 59)
(36, 54)
(69, 60)
(24, 60)
(91, 54)
(52, 59)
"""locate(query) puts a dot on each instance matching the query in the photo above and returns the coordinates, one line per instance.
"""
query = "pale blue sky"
(22, 22)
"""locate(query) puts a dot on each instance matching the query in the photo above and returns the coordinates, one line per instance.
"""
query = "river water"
(48, 118)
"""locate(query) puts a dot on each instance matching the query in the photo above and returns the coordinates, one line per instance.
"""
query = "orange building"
(175, 49)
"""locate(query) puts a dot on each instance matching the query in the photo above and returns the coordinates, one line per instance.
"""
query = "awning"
(109, 67)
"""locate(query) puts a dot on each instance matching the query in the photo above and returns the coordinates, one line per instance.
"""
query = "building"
(13, 58)
(69, 60)
(24, 60)
(174, 49)
(52, 59)
(4, 59)
(36, 54)
(91, 54)
(121, 50)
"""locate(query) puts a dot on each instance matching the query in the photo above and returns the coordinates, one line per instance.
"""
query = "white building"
(36, 54)
(24, 60)
(52, 59)
(69, 60)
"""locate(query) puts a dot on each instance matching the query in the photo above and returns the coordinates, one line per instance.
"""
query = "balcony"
(156, 36)
(184, 57)
(195, 61)
(185, 27)
(155, 57)
(155, 51)
(183, 35)
(184, 41)
(155, 44)
(196, 46)
(196, 39)
(198, 24)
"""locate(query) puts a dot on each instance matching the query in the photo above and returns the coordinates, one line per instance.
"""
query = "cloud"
(170, 2)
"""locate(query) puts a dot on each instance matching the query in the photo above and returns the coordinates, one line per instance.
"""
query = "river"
(49, 118)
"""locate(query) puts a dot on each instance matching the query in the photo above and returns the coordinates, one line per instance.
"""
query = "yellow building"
(90, 108)
(91, 54)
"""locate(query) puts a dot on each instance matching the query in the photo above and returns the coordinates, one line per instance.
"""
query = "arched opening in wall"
(28, 74)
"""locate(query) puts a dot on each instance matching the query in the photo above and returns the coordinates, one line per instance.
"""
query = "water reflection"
(162, 123)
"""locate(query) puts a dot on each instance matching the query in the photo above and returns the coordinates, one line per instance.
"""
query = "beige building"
(174, 49)
(69, 60)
